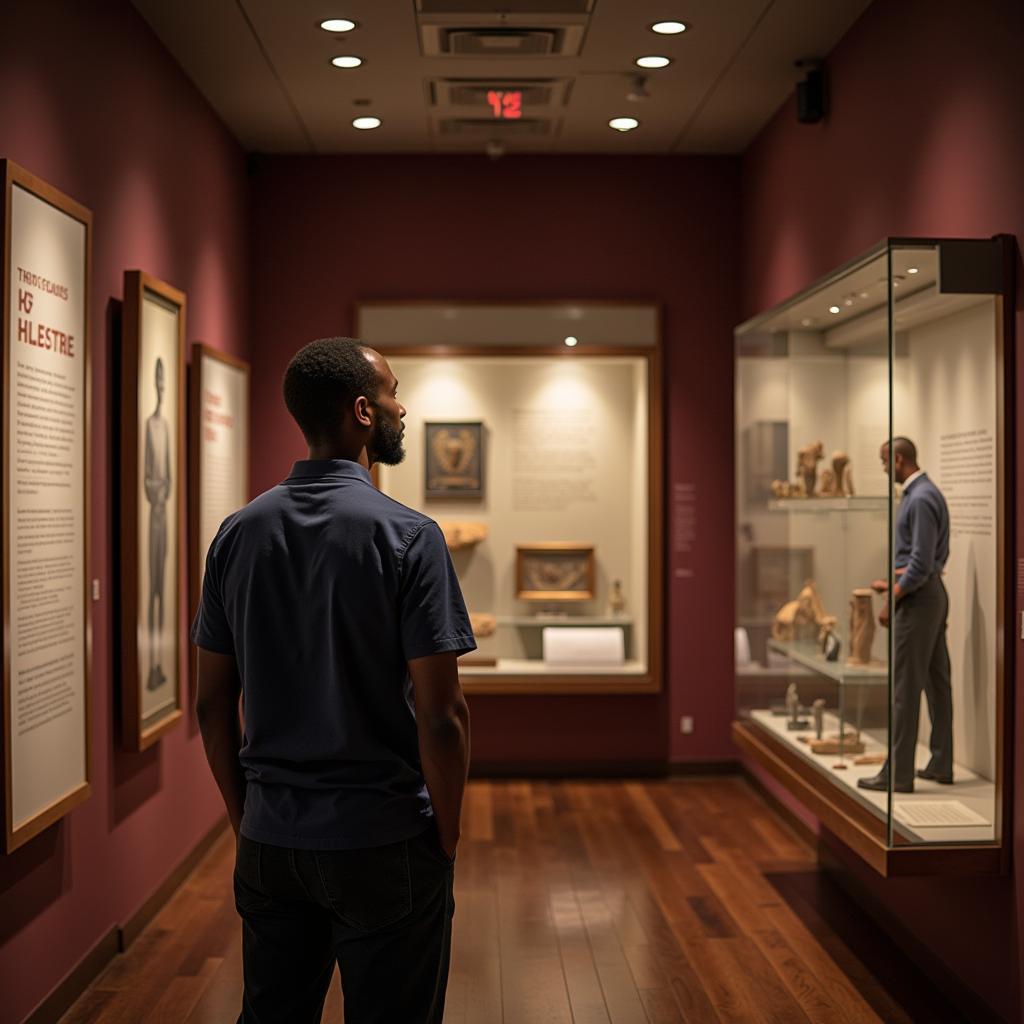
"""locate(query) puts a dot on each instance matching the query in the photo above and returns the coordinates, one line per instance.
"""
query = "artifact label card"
(45, 483)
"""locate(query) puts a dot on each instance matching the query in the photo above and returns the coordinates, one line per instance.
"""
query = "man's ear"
(362, 411)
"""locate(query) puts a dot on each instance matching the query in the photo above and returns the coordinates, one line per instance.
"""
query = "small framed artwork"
(218, 432)
(152, 508)
(46, 507)
(454, 460)
(555, 571)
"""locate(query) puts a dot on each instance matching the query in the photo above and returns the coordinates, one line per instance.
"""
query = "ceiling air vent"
(485, 127)
(517, 30)
(474, 7)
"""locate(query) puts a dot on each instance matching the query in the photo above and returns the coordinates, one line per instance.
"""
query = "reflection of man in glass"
(919, 607)
(158, 490)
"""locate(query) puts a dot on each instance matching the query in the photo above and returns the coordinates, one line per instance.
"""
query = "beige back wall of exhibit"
(570, 458)
(949, 412)
(47, 638)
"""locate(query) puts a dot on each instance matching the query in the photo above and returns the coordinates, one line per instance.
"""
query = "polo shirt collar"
(305, 469)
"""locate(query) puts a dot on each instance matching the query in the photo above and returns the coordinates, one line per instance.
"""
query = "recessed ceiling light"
(833, 309)
(337, 25)
(912, 270)
(623, 124)
(653, 62)
(865, 295)
(806, 322)
(847, 302)
(366, 123)
(571, 341)
(346, 62)
(669, 28)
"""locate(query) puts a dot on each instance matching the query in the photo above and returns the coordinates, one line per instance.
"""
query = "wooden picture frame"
(152, 508)
(567, 567)
(219, 418)
(453, 460)
(47, 734)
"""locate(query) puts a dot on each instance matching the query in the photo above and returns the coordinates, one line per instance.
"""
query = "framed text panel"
(46, 388)
(152, 508)
(219, 432)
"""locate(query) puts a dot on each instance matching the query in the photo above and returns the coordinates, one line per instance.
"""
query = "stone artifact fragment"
(827, 484)
(847, 743)
(793, 707)
(807, 459)
(482, 623)
(782, 489)
(862, 626)
(463, 535)
(804, 618)
(818, 710)
(830, 645)
(616, 599)
(836, 481)
(871, 759)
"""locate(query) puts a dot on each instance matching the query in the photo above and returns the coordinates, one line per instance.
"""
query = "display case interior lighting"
(652, 61)
(669, 28)
(350, 61)
(364, 124)
(623, 124)
(572, 341)
(337, 25)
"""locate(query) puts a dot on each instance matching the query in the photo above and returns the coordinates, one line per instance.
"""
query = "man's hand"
(883, 615)
(879, 586)
(218, 689)
(442, 724)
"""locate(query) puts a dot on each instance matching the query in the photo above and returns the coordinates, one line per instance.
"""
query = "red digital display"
(506, 105)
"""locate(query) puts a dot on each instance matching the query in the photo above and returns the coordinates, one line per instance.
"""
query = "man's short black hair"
(905, 447)
(323, 379)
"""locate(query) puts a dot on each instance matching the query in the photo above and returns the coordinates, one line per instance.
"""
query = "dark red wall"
(90, 102)
(925, 137)
(330, 231)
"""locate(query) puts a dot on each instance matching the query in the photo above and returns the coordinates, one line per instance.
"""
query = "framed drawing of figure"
(152, 508)
(554, 571)
(218, 431)
(45, 497)
(454, 460)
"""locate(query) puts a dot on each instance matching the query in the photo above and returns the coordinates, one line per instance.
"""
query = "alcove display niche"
(533, 437)
(910, 341)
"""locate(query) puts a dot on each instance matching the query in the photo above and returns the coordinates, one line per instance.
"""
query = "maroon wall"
(925, 137)
(91, 103)
(330, 231)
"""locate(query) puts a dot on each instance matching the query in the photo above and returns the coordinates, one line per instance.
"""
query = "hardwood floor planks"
(577, 902)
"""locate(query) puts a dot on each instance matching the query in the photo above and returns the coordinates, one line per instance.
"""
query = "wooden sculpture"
(463, 535)
(807, 459)
(836, 480)
(482, 623)
(862, 626)
(616, 599)
(802, 619)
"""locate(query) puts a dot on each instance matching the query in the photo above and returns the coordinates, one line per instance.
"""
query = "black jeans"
(384, 913)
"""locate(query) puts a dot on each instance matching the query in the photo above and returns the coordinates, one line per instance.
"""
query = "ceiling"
(265, 67)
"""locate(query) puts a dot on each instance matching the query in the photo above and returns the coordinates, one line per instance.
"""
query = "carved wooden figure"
(807, 459)
(862, 626)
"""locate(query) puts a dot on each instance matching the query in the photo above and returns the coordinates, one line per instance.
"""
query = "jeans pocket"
(368, 889)
(248, 882)
(431, 841)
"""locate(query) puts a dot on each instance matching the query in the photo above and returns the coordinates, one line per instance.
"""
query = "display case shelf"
(819, 506)
(540, 621)
(810, 657)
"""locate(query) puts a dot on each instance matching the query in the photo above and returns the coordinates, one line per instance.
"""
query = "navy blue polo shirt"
(324, 589)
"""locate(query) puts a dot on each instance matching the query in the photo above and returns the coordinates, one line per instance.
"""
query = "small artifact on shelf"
(782, 489)
(463, 535)
(793, 707)
(482, 623)
(862, 626)
(847, 743)
(807, 459)
(804, 618)
(830, 645)
(836, 481)
(818, 710)
(871, 759)
(616, 599)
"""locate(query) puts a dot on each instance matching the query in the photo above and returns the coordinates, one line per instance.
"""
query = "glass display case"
(532, 438)
(871, 457)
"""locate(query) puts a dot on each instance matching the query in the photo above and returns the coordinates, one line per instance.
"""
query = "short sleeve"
(211, 630)
(432, 613)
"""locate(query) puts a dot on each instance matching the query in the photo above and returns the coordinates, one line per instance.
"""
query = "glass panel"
(947, 619)
(812, 408)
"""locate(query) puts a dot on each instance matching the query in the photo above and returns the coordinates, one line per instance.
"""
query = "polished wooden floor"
(585, 902)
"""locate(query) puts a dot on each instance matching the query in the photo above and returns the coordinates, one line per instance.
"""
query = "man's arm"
(442, 724)
(217, 691)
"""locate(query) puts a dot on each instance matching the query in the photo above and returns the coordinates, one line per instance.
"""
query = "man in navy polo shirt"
(336, 614)
(921, 607)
